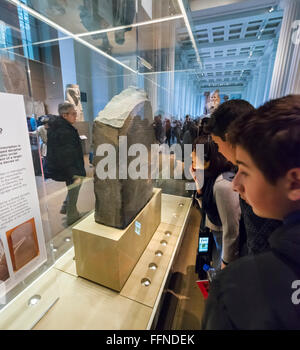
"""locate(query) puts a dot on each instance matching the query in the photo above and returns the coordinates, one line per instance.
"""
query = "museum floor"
(183, 302)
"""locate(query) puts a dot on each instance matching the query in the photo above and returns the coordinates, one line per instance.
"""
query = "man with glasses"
(64, 161)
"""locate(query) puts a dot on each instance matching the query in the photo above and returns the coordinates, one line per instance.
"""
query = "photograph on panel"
(23, 244)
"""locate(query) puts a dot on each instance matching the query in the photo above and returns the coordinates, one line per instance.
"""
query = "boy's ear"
(293, 184)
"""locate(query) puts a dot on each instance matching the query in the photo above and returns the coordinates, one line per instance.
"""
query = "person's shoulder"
(242, 276)
(238, 278)
(55, 121)
(223, 186)
(242, 264)
(236, 285)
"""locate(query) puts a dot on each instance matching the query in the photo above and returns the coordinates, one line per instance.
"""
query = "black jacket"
(64, 151)
(256, 292)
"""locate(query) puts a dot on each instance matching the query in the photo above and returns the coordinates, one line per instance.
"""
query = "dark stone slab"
(119, 200)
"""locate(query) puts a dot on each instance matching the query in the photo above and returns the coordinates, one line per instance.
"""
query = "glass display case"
(88, 52)
(102, 48)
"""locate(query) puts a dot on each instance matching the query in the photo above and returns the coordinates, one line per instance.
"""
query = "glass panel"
(109, 46)
(81, 16)
(20, 33)
(150, 48)
(26, 243)
(39, 62)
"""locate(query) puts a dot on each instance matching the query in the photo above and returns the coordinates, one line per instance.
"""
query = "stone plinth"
(107, 255)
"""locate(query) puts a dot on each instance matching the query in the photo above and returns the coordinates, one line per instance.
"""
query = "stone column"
(184, 97)
(286, 64)
(270, 71)
(254, 87)
(293, 82)
(177, 94)
(248, 89)
(202, 103)
(67, 60)
(262, 82)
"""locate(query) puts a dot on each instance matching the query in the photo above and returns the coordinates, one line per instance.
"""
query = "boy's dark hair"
(225, 114)
(271, 135)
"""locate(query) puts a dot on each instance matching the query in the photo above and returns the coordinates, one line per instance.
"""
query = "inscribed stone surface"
(14, 77)
(129, 114)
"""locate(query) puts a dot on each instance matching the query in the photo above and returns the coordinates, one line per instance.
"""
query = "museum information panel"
(22, 244)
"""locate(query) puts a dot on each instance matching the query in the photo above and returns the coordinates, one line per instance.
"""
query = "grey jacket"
(230, 213)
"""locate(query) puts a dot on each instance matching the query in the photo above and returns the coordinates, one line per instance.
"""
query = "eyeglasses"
(72, 113)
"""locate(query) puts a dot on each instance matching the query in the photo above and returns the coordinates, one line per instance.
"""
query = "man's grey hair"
(64, 107)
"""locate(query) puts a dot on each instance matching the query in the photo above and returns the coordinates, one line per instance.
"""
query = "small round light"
(168, 233)
(152, 266)
(67, 239)
(54, 249)
(158, 253)
(163, 242)
(34, 300)
(145, 282)
(181, 204)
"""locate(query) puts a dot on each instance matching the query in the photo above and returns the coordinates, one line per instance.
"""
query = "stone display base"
(107, 255)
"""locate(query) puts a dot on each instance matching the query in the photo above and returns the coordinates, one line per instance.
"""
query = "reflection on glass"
(39, 63)
(148, 48)
(81, 16)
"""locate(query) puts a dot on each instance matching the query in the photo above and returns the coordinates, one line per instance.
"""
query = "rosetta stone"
(119, 200)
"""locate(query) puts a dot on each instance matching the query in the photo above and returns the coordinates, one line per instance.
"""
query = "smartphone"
(203, 244)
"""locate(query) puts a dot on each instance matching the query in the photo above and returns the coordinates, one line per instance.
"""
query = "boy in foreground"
(263, 291)
(254, 230)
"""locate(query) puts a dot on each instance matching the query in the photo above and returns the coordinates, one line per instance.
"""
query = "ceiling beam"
(223, 70)
(230, 20)
(233, 59)
(210, 9)
(201, 24)
(236, 43)
(223, 90)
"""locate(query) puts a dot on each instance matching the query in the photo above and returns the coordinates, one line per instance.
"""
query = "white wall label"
(22, 243)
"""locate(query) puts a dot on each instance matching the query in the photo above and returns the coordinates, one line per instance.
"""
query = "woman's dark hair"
(270, 134)
(193, 131)
(203, 128)
(218, 163)
(205, 121)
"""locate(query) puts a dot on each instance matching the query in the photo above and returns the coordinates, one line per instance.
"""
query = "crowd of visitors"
(171, 130)
(258, 284)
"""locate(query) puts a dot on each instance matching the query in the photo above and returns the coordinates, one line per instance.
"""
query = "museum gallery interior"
(101, 222)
